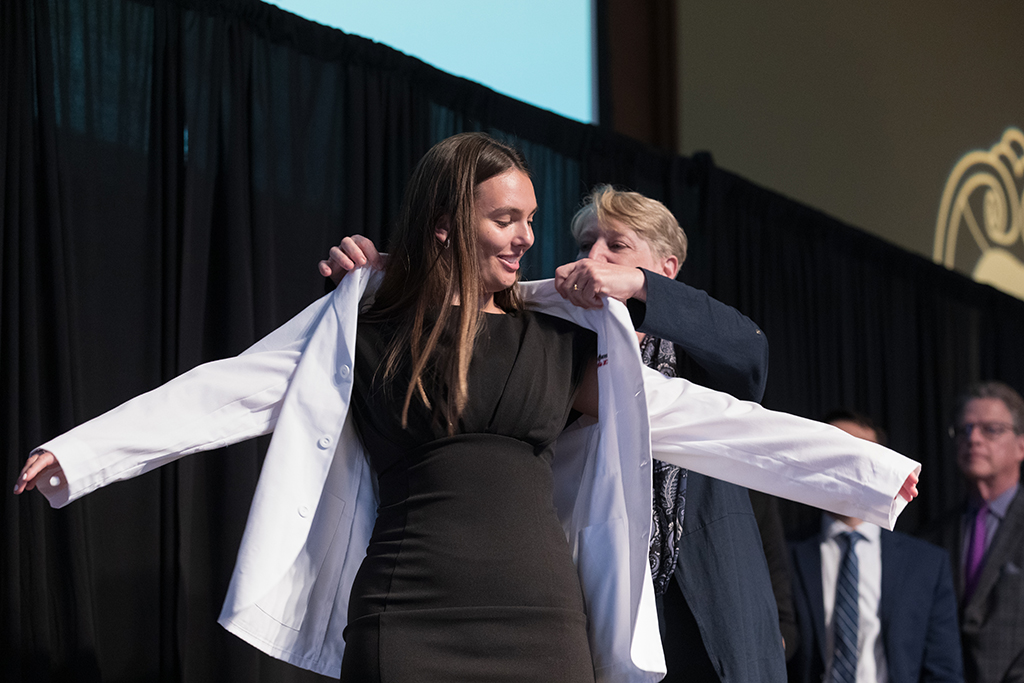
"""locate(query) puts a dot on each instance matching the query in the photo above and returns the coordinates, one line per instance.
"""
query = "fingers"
(909, 489)
(369, 250)
(586, 282)
(353, 252)
(38, 464)
(338, 263)
(576, 283)
(561, 273)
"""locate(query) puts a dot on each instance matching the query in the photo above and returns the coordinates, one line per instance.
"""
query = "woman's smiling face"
(504, 207)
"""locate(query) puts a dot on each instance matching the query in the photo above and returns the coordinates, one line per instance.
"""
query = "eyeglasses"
(989, 430)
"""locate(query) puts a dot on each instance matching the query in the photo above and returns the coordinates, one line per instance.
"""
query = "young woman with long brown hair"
(459, 395)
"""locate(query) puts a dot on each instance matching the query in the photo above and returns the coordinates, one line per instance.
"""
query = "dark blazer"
(917, 610)
(992, 623)
(776, 553)
(724, 625)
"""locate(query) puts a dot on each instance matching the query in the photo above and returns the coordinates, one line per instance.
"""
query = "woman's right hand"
(353, 252)
(40, 466)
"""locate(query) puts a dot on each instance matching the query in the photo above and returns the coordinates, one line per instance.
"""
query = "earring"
(448, 243)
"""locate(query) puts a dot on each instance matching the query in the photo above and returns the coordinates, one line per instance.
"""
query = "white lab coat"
(315, 503)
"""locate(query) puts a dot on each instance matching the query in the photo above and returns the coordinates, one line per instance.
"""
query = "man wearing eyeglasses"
(985, 537)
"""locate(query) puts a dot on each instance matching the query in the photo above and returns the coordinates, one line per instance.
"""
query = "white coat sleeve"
(788, 456)
(213, 405)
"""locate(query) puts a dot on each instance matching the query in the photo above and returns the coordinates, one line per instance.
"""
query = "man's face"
(994, 459)
(611, 241)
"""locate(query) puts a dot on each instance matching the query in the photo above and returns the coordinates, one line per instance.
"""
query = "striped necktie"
(845, 616)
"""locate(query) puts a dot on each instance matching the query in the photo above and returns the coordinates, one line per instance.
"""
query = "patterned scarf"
(669, 482)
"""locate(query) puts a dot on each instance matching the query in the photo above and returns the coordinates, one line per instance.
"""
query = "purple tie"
(975, 553)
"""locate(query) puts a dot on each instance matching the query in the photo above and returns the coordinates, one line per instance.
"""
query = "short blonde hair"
(649, 218)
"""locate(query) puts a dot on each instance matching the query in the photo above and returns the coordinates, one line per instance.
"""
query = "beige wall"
(858, 108)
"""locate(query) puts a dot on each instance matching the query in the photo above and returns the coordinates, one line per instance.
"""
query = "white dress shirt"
(870, 646)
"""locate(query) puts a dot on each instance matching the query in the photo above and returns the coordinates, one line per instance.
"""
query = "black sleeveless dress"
(468, 576)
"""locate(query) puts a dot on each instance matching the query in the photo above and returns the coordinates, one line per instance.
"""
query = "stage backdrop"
(172, 171)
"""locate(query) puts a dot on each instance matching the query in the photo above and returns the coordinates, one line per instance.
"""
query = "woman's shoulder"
(547, 321)
(551, 329)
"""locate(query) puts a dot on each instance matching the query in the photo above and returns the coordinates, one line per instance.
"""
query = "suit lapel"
(1007, 537)
(953, 543)
(808, 563)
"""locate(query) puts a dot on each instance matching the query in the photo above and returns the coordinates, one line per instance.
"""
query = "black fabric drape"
(853, 321)
(171, 172)
(171, 177)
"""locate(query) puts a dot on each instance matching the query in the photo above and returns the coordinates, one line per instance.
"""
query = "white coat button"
(344, 371)
(303, 511)
(325, 441)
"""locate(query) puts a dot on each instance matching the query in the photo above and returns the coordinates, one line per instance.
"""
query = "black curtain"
(171, 175)
(171, 172)
(855, 322)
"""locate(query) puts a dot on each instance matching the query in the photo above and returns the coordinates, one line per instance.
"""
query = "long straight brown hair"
(424, 276)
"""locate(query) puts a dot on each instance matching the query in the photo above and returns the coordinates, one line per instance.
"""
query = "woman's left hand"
(909, 489)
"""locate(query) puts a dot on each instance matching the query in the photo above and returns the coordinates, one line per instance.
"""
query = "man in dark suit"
(985, 535)
(904, 622)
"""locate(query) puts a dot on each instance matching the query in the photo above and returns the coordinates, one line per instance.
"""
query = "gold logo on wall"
(981, 219)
